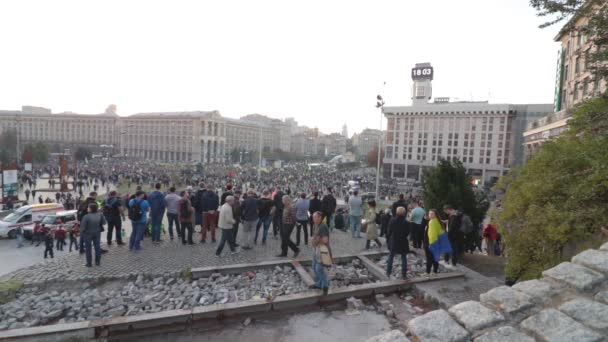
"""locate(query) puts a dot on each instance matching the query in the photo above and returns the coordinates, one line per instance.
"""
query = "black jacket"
(397, 204)
(329, 204)
(278, 200)
(398, 231)
(315, 205)
(454, 231)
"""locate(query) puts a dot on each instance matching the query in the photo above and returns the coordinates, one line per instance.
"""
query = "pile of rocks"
(416, 265)
(352, 273)
(33, 307)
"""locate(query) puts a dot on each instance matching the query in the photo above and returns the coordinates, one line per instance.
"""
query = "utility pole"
(260, 159)
(17, 129)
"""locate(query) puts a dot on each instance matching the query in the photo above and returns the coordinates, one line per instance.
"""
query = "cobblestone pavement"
(166, 257)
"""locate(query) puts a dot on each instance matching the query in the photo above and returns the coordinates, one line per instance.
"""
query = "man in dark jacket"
(277, 220)
(265, 211)
(249, 213)
(314, 206)
(399, 203)
(455, 234)
(197, 202)
(112, 211)
(398, 231)
(329, 206)
(83, 210)
(156, 199)
(210, 204)
(226, 193)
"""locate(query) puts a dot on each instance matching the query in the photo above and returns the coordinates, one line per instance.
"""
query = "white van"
(26, 215)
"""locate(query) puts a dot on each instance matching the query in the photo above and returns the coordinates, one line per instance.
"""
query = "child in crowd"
(48, 242)
(74, 238)
(60, 236)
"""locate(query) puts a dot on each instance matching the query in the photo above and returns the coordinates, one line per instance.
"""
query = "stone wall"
(569, 303)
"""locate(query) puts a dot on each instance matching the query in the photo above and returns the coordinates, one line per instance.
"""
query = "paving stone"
(555, 326)
(504, 334)
(437, 326)
(577, 276)
(594, 259)
(602, 296)
(475, 316)
(391, 336)
(604, 247)
(588, 312)
(506, 300)
(538, 290)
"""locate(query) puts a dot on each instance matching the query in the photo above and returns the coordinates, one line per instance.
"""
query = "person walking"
(355, 209)
(278, 211)
(416, 218)
(138, 210)
(249, 210)
(372, 219)
(455, 234)
(435, 242)
(398, 231)
(90, 228)
(302, 207)
(265, 212)
(185, 216)
(114, 215)
(489, 235)
(210, 205)
(226, 225)
(237, 213)
(171, 202)
(322, 250)
(289, 222)
(156, 200)
(329, 207)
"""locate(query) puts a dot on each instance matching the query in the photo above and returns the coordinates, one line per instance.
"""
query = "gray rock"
(588, 312)
(506, 300)
(437, 326)
(594, 259)
(538, 290)
(555, 326)
(577, 276)
(53, 314)
(475, 316)
(391, 336)
(602, 296)
(604, 247)
(504, 334)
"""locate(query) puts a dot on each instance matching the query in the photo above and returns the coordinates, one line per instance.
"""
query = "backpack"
(135, 211)
(378, 218)
(107, 208)
(466, 225)
(184, 212)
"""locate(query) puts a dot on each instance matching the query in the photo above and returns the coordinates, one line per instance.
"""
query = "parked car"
(26, 216)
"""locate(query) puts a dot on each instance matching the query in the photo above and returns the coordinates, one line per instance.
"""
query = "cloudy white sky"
(321, 62)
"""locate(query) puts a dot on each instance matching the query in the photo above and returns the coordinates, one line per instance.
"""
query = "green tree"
(39, 150)
(8, 146)
(83, 153)
(555, 204)
(372, 157)
(448, 183)
(559, 11)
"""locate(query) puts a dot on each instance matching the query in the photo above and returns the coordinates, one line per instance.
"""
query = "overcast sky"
(321, 62)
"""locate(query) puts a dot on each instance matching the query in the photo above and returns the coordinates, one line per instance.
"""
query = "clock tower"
(422, 89)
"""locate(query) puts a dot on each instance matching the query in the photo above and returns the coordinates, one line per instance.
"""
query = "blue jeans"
(137, 234)
(355, 225)
(156, 222)
(91, 241)
(266, 221)
(321, 281)
(389, 264)
(173, 218)
(227, 236)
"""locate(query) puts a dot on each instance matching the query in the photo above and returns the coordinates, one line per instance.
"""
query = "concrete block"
(507, 300)
(79, 331)
(588, 312)
(296, 300)
(574, 275)
(593, 259)
(246, 307)
(437, 326)
(475, 316)
(555, 326)
(504, 334)
(538, 290)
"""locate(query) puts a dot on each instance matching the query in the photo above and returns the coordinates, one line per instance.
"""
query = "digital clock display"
(422, 73)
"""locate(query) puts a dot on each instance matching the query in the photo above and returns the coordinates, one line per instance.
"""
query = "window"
(577, 65)
(575, 91)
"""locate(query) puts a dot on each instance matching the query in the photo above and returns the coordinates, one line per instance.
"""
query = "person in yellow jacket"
(435, 242)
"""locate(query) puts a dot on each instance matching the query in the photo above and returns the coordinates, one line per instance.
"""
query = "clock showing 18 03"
(422, 73)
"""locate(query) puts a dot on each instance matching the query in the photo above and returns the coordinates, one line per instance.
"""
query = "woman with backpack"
(185, 216)
(372, 220)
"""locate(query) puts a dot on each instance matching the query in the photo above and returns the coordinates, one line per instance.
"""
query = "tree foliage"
(555, 204)
(372, 157)
(8, 146)
(83, 153)
(39, 151)
(448, 183)
(559, 11)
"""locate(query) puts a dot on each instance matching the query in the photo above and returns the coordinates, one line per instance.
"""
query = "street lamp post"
(17, 133)
(260, 156)
(379, 104)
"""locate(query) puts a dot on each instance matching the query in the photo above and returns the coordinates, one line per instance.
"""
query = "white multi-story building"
(486, 138)
(367, 141)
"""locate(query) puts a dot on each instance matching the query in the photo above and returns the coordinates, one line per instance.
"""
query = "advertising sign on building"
(27, 167)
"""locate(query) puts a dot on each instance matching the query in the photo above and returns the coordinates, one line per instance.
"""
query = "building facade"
(575, 82)
(366, 141)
